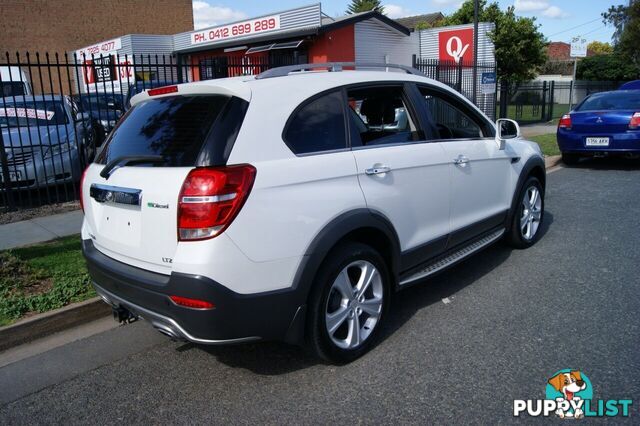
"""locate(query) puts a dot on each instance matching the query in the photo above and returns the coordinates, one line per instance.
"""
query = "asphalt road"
(458, 349)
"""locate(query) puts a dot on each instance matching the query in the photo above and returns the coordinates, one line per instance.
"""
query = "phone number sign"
(239, 29)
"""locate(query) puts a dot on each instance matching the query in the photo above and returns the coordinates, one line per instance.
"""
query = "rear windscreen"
(611, 101)
(175, 128)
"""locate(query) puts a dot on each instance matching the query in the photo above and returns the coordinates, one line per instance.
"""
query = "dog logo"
(573, 387)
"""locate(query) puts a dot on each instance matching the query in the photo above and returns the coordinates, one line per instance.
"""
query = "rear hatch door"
(131, 212)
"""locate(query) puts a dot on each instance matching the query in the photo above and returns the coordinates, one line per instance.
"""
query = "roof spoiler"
(333, 67)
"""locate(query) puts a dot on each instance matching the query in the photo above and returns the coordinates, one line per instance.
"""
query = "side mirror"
(506, 129)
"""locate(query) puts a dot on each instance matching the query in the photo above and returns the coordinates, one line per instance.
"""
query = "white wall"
(374, 41)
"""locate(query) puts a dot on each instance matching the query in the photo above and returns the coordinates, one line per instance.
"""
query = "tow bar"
(124, 316)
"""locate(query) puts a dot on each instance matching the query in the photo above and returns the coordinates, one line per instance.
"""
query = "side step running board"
(454, 257)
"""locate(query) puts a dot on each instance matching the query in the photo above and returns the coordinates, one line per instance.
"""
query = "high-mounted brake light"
(634, 123)
(210, 199)
(191, 303)
(84, 173)
(162, 90)
(565, 122)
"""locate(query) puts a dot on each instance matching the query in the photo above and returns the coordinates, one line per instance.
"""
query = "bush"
(613, 67)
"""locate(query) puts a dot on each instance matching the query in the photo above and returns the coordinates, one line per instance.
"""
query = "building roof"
(331, 23)
(412, 21)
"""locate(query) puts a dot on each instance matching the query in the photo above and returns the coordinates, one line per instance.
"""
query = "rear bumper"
(236, 317)
(574, 142)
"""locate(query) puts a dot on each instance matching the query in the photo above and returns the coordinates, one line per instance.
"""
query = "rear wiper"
(129, 159)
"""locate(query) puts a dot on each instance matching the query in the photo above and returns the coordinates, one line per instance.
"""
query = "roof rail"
(332, 67)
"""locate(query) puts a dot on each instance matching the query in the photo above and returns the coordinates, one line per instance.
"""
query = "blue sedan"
(605, 123)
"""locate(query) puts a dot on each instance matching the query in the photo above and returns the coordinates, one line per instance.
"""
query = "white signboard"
(239, 29)
(578, 47)
(104, 48)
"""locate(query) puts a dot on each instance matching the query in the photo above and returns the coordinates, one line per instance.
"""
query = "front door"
(480, 171)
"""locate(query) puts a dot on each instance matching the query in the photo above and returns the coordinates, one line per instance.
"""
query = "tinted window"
(449, 117)
(611, 101)
(174, 127)
(317, 126)
(13, 88)
(379, 115)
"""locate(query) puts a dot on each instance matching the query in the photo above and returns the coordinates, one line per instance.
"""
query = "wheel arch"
(533, 167)
(361, 225)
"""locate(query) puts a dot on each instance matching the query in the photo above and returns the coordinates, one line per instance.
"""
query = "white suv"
(291, 205)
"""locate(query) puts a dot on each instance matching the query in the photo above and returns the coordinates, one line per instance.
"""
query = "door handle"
(461, 160)
(378, 170)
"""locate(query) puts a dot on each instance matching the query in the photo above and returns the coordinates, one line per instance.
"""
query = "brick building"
(65, 25)
(59, 26)
(558, 51)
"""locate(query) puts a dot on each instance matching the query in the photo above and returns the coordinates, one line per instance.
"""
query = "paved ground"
(512, 319)
(40, 229)
(538, 129)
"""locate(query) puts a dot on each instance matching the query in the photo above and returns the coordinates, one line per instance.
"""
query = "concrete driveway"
(458, 349)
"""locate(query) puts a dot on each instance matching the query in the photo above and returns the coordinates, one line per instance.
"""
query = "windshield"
(30, 113)
(611, 101)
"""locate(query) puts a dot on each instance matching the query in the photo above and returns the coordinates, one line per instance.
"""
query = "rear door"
(402, 176)
(131, 214)
(480, 171)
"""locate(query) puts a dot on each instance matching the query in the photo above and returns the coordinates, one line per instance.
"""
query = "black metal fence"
(543, 101)
(477, 83)
(57, 109)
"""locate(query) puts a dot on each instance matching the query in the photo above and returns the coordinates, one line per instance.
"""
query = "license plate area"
(597, 141)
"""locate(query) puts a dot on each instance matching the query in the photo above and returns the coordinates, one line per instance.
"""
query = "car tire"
(570, 159)
(528, 215)
(337, 300)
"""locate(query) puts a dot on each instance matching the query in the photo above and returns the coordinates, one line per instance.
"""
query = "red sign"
(456, 45)
(240, 29)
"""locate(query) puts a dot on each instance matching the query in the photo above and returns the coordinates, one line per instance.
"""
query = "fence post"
(504, 98)
(543, 112)
(413, 60)
(551, 96)
(5, 175)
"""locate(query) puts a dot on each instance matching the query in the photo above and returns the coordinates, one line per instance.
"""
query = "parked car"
(14, 82)
(141, 86)
(46, 141)
(630, 85)
(222, 216)
(105, 108)
(605, 123)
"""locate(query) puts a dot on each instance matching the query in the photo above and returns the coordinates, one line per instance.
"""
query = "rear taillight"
(165, 90)
(82, 186)
(191, 303)
(210, 199)
(565, 122)
(634, 123)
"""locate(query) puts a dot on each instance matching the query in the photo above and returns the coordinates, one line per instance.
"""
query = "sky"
(559, 20)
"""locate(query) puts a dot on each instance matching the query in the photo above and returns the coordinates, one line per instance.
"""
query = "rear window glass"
(174, 127)
(318, 126)
(611, 101)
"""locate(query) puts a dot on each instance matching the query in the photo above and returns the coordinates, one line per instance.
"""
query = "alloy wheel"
(531, 213)
(354, 305)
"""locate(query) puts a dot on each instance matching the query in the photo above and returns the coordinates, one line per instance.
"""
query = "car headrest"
(378, 111)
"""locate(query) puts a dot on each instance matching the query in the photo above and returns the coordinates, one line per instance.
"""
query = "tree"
(520, 48)
(358, 6)
(606, 68)
(599, 48)
(626, 20)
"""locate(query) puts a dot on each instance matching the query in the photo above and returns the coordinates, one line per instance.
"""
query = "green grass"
(548, 143)
(42, 277)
